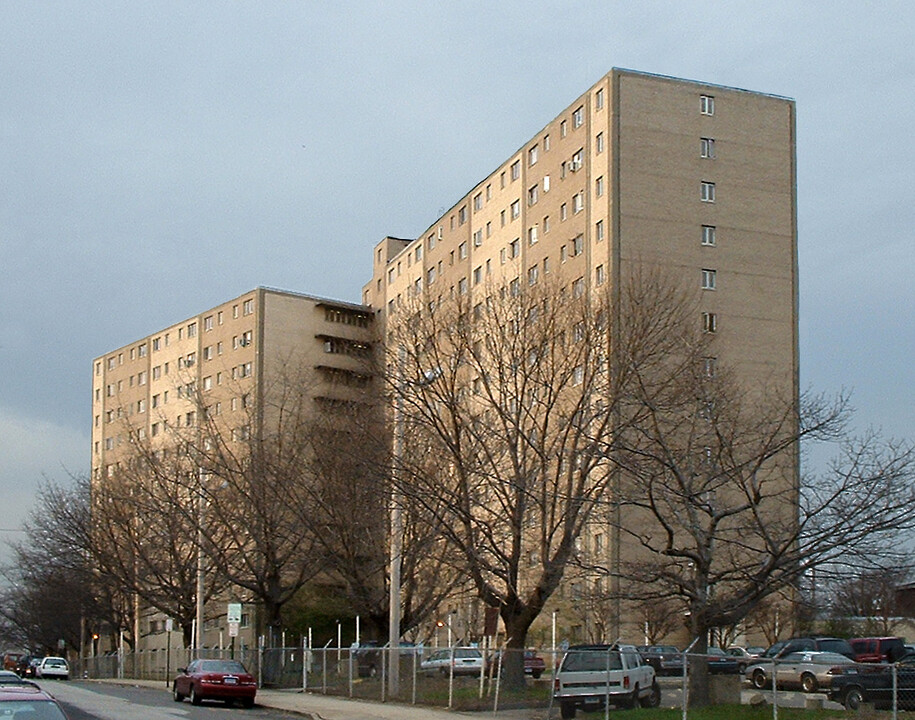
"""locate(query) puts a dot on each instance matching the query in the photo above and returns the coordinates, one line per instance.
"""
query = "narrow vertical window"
(707, 104)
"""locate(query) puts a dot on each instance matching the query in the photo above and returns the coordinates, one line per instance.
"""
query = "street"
(98, 701)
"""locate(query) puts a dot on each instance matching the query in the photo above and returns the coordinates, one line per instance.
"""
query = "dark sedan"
(873, 683)
(225, 680)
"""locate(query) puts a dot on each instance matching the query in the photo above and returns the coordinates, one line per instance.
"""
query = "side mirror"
(182, 670)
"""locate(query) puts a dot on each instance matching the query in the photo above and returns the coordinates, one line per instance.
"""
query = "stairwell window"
(708, 235)
(706, 147)
(709, 279)
(707, 104)
(707, 192)
(709, 322)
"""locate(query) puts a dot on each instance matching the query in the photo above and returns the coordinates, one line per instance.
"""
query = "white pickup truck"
(593, 676)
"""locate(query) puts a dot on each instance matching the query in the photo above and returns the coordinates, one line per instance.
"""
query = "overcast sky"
(159, 158)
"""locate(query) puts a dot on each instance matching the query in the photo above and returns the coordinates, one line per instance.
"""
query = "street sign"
(233, 629)
(233, 614)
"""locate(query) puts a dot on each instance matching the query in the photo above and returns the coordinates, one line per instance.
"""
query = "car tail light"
(626, 681)
(556, 684)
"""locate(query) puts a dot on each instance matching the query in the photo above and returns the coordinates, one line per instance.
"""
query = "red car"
(28, 700)
(534, 665)
(215, 680)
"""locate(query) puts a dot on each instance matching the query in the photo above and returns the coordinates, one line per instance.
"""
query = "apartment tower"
(697, 179)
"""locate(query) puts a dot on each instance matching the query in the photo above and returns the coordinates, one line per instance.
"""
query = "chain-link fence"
(474, 678)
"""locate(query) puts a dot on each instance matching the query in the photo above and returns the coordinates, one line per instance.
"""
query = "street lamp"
(394, 615)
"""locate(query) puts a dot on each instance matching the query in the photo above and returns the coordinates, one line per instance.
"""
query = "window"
(546, 183)
(533, 274)
(462, 286)
(141, 406)
(575, 163)
(707, 192)
(708, 235)
(431, 241)
(532, 235)
(710, 366)
(462, 218)
(391, 276)
(477, 204)
(706, 147)
(462, 251)
(578, 287)
(478, 238)
(502, 218)
(515, 248)
(578, 375)
(141, 350)
(419, 249)
(578, 203)
(599, 186)
(208, 352)
(599, 230)
(599, 143)
(516, 170)
(141, 378)
(155, 401)
(599, 99)
(563, 129)
(488, 229)
(208, 323)
(248, 307)
(708, 279)
(563, 254)
(514, 287)
(502, 180)
(208, 382)
(546, 224)
(192, 330)
(578, 245)
(516, 209)
(599, 275)
(578, 117)
(533, 193)
(546, 266)
(430, 276)
(707, 104)
(418, 286)
(532, 155)
(709, 322)
(478, 275)
(563, 212)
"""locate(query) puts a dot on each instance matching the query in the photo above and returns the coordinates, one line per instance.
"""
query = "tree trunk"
(516, 627)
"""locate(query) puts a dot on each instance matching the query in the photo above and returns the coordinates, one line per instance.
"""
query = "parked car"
(873, 683)
(29, 701)
(800, 644)
(719, 662)
(878, 649)
(367, 657)
(8, 677)
(226, 680)
(11, 660)
(744, 655)
(665, 659)
(534, 665)
(592, 676)
(459, 661)
(26, 665)
(809, 670)
(53, 667)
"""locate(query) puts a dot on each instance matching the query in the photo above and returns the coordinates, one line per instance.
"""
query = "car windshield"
(467, 653)
(222, 666)
(584, 660)
(31, 710)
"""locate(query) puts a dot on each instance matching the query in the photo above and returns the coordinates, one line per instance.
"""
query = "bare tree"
(869, 600)
(510, 407)
(54, 562)
(721, 519)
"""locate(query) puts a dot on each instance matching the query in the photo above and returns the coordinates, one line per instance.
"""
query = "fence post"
(895, 691)
(774, 688)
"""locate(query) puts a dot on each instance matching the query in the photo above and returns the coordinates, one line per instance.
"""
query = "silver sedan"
(809, 670)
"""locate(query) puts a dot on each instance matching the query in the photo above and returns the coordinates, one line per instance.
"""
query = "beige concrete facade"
(695, 178)
(224, 359)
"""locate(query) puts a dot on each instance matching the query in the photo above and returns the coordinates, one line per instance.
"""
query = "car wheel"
(536, 674)
(853, 699)
(247, 702)
(759, 680)
(567, 710)
(631, 700)
(808, 683)
(176, 696)
(195, 697)
(653, 699)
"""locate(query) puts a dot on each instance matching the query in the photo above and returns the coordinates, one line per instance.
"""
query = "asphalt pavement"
(326, 707)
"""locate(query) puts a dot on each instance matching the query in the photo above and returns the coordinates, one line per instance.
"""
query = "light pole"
(396, 538)
(198, 630)
(394, 617)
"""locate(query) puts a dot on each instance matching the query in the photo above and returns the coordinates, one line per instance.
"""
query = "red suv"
(878, 649)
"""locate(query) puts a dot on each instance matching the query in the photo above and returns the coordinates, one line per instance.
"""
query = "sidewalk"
(327, 707)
